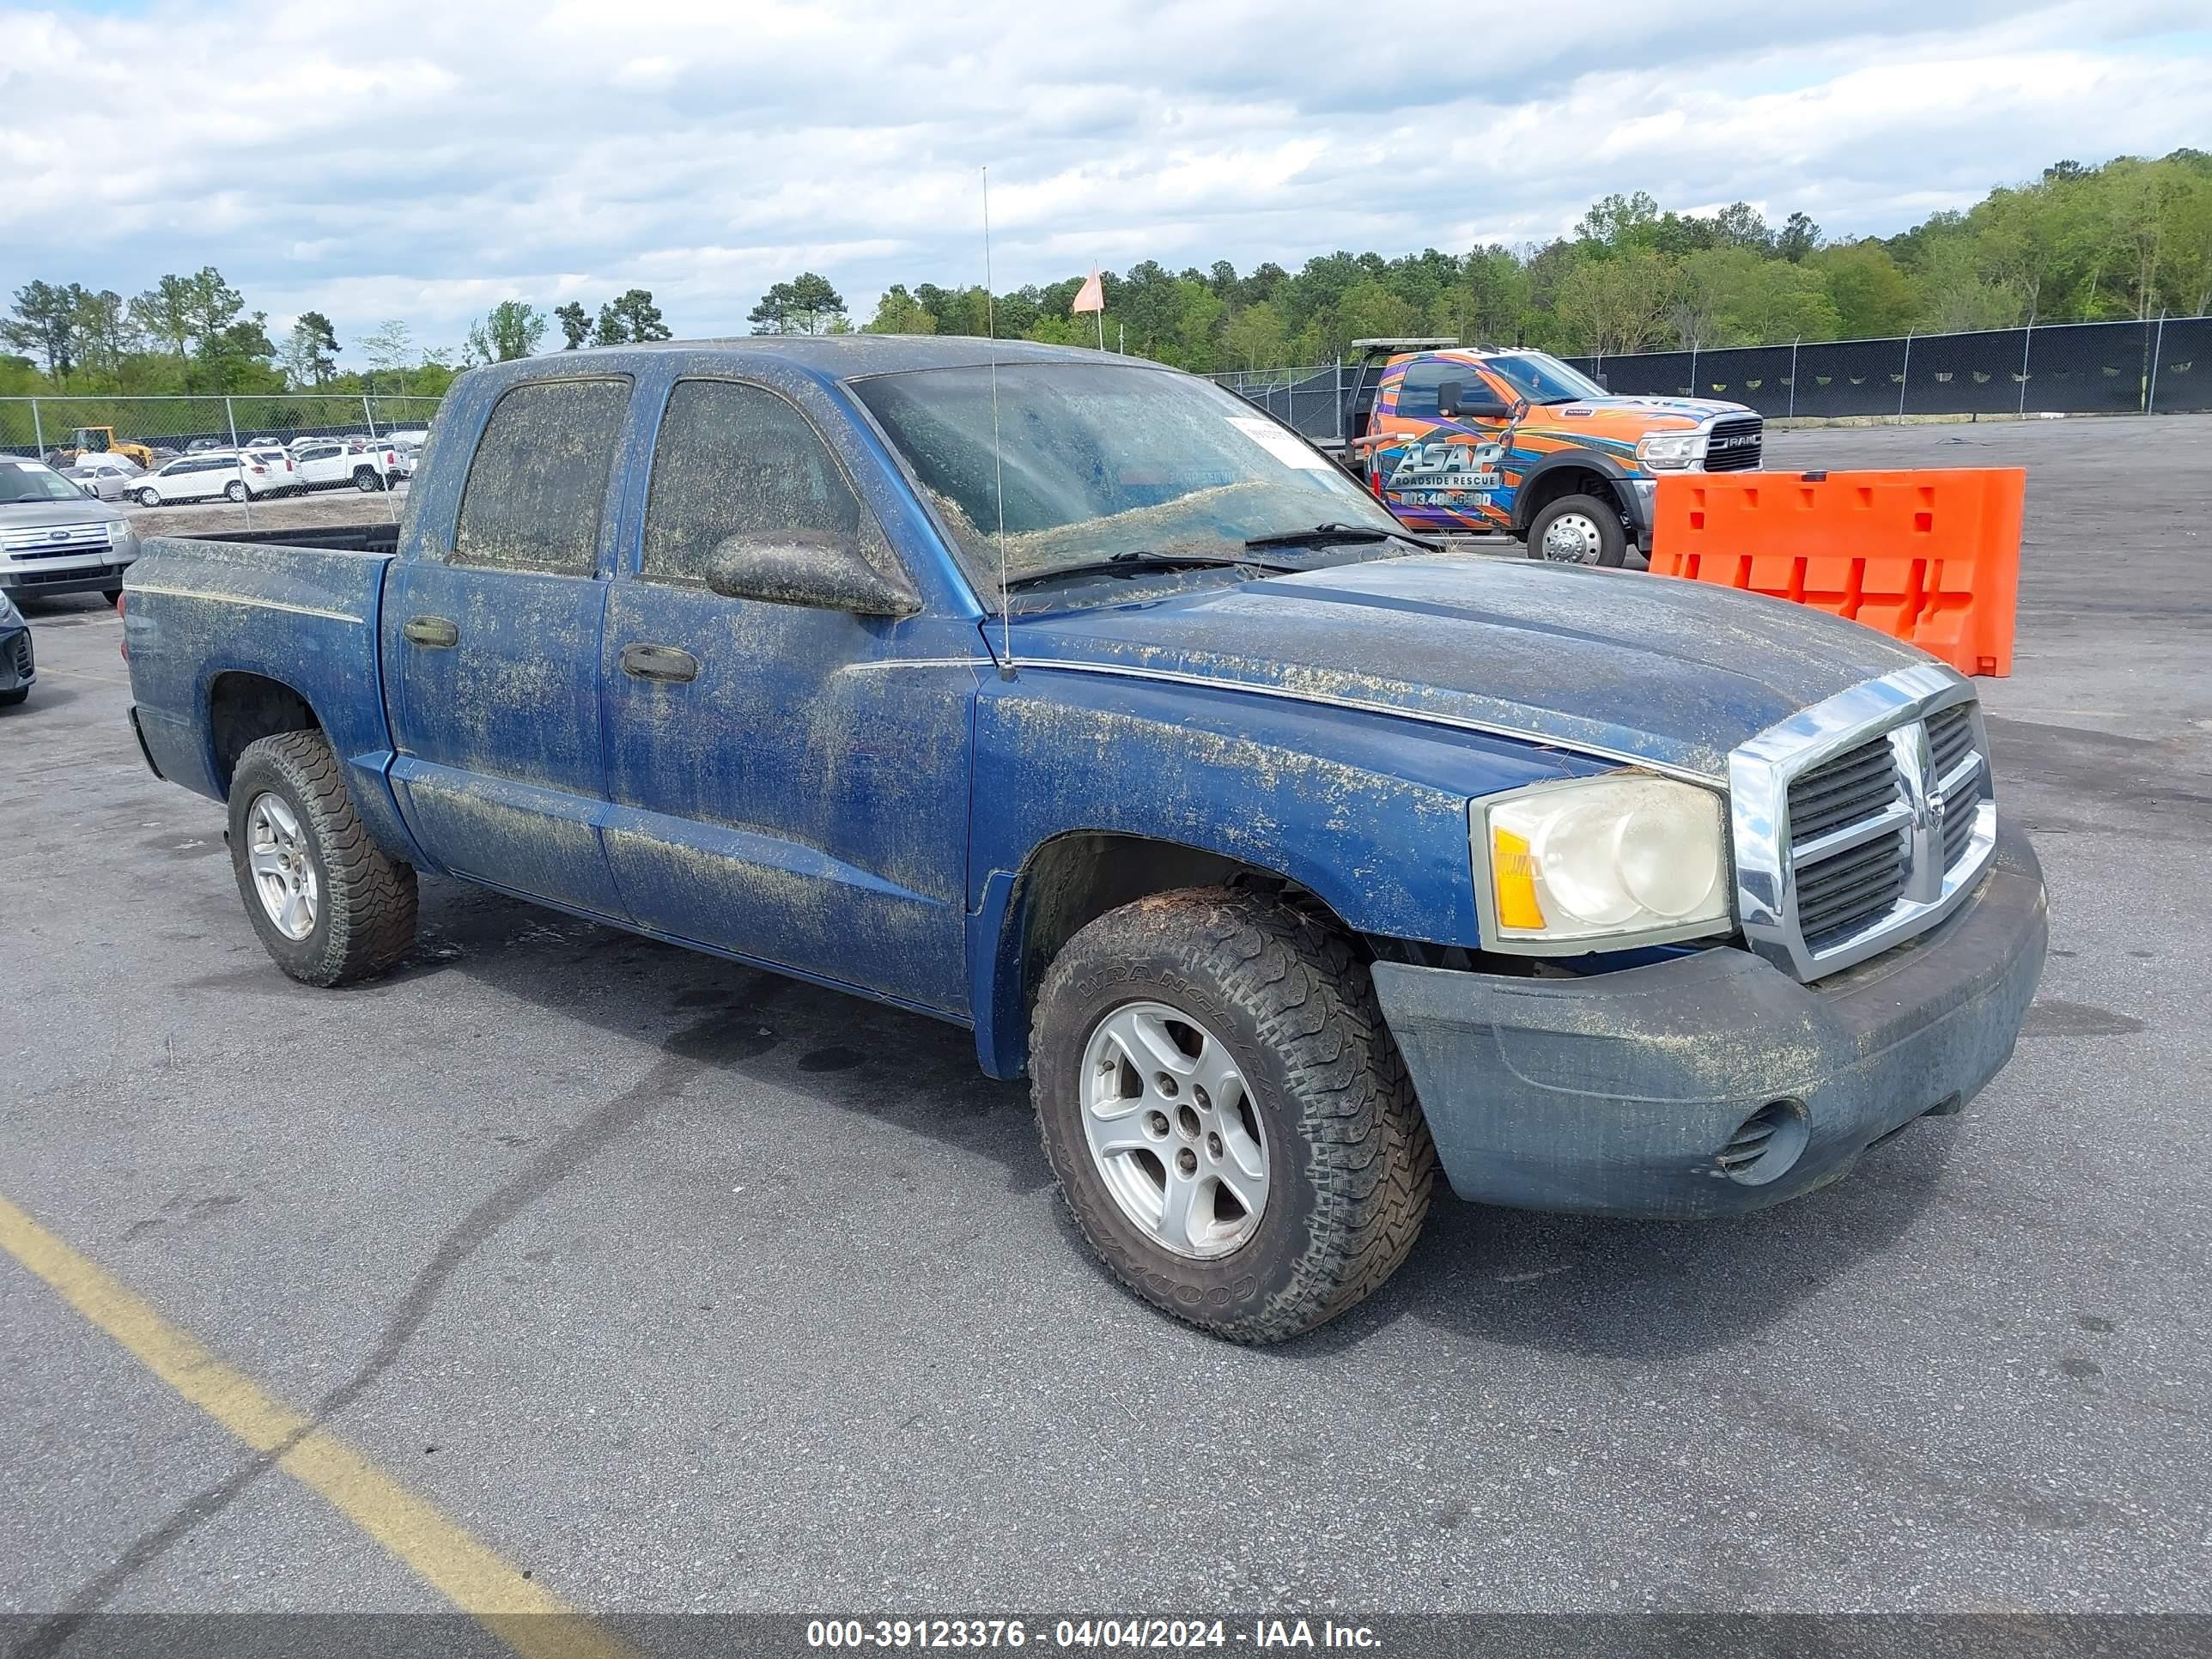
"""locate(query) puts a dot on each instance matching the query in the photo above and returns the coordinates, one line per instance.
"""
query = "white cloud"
(702, 149)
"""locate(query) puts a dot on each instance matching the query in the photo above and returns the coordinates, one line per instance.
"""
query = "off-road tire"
(1611, 534)
(366, 920)
(1350, 1160)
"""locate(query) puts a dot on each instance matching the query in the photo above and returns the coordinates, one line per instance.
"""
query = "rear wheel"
(147, 498)
(1578, 529)
(234, 491)
(328, 904)
(365, 480)
(1230, 1123)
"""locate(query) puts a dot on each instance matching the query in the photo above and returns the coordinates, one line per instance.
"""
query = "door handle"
(659, 662)
(434, 632)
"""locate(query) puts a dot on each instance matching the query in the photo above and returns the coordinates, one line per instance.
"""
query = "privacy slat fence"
(2161, 365)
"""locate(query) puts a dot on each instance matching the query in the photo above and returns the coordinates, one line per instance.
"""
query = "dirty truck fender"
(1366, 812)
(304, 619)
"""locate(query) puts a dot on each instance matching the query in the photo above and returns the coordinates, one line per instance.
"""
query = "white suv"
(204, 476)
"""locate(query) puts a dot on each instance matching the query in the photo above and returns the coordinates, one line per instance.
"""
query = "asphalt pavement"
(681, 1286)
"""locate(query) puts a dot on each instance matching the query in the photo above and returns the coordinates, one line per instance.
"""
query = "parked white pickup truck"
(328, 464)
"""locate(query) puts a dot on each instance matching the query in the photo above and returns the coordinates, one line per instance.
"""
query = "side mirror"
(809, 568)
(1604, 385)
(1453, 400)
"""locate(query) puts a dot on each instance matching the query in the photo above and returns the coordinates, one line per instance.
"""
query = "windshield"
(1098, 459)
(28, 480)
(1543, 378)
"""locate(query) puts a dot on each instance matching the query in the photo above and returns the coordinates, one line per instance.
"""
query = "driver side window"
(1416, 392)
(732, 459)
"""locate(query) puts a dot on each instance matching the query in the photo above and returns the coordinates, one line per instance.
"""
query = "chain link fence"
(51, 427)
(144, 436)
(1311, 400)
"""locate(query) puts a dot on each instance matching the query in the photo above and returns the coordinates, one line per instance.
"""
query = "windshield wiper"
(1121, 564)
(1320, 534)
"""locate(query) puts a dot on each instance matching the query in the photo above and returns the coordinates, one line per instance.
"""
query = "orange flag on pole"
(1091, 296)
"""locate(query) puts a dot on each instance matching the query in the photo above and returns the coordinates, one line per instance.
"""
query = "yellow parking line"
(528, 1617)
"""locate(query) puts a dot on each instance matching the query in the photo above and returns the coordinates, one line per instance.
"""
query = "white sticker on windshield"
(1279, 444)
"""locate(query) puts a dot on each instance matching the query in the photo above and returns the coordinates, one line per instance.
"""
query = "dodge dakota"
(1072, 700)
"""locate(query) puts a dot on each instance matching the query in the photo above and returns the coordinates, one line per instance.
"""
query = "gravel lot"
(687, 1287)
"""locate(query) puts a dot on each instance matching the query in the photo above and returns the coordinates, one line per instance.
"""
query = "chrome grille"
(1850, 788)
(1844, 882)
(1862, 821)
(57, 538)
(1735, 444)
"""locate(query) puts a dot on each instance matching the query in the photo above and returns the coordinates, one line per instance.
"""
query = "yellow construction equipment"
(100, 440)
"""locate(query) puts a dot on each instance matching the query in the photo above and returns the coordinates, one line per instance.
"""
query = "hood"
(1691, 410)
(22, 515)
(1614, 663)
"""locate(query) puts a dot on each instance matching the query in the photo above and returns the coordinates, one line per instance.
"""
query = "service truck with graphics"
(1477, 440)
(1069, 699)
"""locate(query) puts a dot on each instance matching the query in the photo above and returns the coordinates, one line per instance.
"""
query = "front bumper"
(1640, 494)
(1617, 1093)
(30, 578)
(19, 663)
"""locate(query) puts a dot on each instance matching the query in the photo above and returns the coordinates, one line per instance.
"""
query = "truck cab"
(1477, 439)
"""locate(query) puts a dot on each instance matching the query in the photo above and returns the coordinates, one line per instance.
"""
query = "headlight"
(1612, 861)
(1670, 449)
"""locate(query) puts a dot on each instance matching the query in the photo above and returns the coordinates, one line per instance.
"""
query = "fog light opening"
(1767, 1143)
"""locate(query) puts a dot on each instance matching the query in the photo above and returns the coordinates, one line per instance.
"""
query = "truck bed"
(299, 609)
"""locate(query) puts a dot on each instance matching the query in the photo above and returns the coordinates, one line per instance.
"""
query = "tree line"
(193, 334)
(2129, 239)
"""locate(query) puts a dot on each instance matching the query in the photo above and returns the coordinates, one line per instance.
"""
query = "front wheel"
(112, 595)
(328, 904)
(1578, 529)
(1230, 1123)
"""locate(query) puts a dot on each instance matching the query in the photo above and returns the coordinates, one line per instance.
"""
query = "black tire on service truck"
(1236, 1041)
(329, 905)
(1592, 526)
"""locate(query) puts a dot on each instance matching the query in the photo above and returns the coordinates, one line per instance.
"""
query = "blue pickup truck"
(1072, 700)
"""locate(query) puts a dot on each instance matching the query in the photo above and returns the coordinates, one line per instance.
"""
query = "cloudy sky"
(424, 162)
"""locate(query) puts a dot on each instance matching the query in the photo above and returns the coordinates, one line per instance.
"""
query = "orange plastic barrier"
(1929, 557)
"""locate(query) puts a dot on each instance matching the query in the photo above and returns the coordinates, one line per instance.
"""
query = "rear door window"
(538, 480)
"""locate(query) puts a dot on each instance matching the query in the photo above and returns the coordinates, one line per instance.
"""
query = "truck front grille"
(1735, 444)
(1843, 885)
(1863, 821)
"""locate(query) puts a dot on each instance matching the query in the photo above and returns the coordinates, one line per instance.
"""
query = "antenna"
(997, 457)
